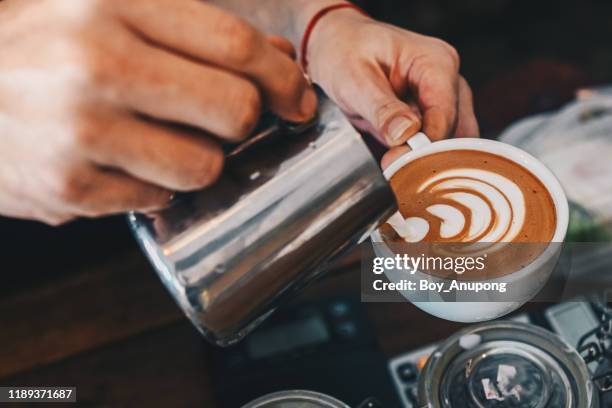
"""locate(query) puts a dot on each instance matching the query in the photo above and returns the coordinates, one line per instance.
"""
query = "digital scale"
(570, 320)
(329, 347)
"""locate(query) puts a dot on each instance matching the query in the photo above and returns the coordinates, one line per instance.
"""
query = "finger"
(437, 96)
(161, 155)
(54, 219)
(361, 124)
(283, 45)
(393, 154)
(210, 34)
(392, 119)
(107, 192)
(165, 86)
(467, 125)
(35, 209)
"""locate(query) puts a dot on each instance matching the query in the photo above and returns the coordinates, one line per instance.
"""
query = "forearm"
(287, 18)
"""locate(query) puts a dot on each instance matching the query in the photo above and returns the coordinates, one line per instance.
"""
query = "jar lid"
(505, 364)
(296, 399)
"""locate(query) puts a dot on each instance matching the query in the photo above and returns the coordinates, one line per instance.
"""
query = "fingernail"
(308, 104)
(398, 127)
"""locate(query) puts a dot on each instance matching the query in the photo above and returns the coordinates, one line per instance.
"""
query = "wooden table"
(117, 335)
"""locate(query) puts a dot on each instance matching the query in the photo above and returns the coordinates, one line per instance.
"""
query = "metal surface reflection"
(283, 208)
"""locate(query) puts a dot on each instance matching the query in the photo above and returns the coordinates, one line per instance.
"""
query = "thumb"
(393, 120)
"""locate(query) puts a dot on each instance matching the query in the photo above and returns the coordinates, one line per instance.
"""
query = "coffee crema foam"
(469, 197)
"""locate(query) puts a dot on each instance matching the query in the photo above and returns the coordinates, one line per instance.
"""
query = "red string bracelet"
(313, 22)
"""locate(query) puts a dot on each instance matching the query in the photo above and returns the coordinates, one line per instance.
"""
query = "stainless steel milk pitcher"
(285, 205)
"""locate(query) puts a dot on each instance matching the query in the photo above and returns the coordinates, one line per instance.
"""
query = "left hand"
(391, 82)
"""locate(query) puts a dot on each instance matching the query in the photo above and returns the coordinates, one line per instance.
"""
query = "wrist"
(320, 21)
(306, 9)
(329, 36)
(333, 23)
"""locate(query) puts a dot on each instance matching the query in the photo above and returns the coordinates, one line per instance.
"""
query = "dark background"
(494, 36)
(79, 304)
(519, 56)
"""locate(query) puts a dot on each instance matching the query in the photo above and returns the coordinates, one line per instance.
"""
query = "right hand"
(91, 92)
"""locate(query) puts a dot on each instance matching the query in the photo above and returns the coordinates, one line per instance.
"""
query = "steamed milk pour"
(230, 253)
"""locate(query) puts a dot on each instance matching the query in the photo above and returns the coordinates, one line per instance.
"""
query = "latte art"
(468, 196)
(467, 205)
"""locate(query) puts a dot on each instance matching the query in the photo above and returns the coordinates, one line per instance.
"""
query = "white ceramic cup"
(526, 282)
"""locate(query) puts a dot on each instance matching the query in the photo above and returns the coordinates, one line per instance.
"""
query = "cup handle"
(418, 140)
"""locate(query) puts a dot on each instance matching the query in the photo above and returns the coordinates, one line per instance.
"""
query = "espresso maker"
(290, 200)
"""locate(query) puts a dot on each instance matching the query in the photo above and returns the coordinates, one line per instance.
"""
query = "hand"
(91, 93)
(392, 82)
